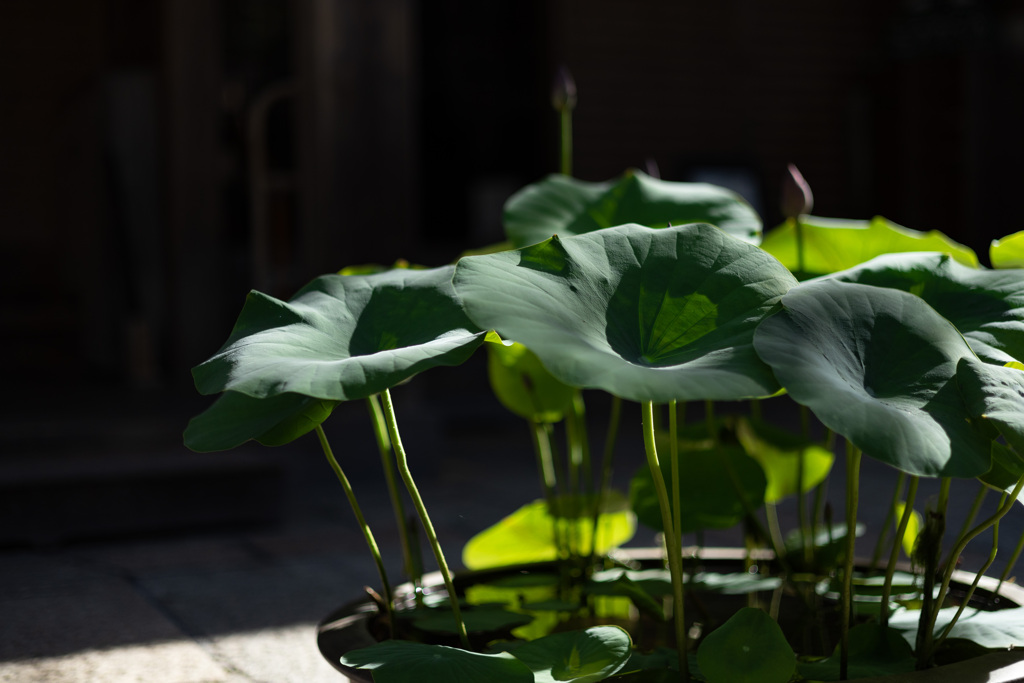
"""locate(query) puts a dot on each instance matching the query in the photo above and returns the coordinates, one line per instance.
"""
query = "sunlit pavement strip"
(286, 655)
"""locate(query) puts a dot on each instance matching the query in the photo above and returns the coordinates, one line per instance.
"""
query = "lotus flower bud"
(797, 198)
(563, 93)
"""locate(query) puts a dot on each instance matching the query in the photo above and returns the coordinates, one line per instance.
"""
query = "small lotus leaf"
(648, 315)
(985, 305)
(831, 245)
(403, 661)
(523, 384)
(528, 534)
(236, 418)
(343, 337)
(711, 483)
(1007, 252)
(577, 656)
(877, 366)
(563, 206)
(748, 648)
(778, 452)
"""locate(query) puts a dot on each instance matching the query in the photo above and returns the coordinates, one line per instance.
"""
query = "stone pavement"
(237, 602)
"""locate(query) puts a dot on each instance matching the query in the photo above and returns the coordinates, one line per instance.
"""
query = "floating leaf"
(997, 629)
(563, 206)
(778, 452)
(748, 648)
(403, 661)
(523, 384)
(236, 418)
(528, 534)
(576, 656)
(343, 337)
(985, 305)
(711, 482)
(644, 314)
(873, 651)
(1007, 252)
(831, 245)
(477, 618)
(624, 586)
(877, 366)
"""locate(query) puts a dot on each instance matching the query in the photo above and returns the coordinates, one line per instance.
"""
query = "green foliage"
(524, 386)
(564, 206)
(644, 314)
(1007, 252)
(877, 366)
(236, 418)
(748, 648)
(403, 661)
(831, 245)
(779, 452)
(874, 651)
(576, 656)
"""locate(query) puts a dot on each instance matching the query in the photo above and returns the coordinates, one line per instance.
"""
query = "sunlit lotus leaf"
(987, 306)
(1007, 252)
(529, 533)
(236, 418)
(563, 206)
(403, 661)
(523, 384)
(648, 315)
(576, 656)
(343, 337)
(914, 526)
(778, 452)
(831, 244)
(748, 648)
(877, 366)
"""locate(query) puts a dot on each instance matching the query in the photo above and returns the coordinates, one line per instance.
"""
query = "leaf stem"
(883, 533)
(614, 418)
(672, 539)
(853, 457)
(361, 520)
(421, 510)
(1011, 562)
(890, 569)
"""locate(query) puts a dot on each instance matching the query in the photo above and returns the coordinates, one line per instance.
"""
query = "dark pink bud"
(797, 198)
(563, 93)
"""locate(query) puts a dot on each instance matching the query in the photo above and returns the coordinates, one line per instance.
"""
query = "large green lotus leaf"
(996, 394)
(576, 656)
(648, 315)
(343, 337)
(831, 244)
(403, 661)
(523, 384)
(877, 366)
(998, 629)
(236, 418)
(528, 534)
(873, 651)
(1007, 252)
(563, 206)
(748, 648)
(778, 452)
(987, 306)
(708, 482)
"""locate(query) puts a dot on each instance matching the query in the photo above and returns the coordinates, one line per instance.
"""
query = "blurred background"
(160, 158)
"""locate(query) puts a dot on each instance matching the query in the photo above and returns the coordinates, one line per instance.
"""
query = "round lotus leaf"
(877, 366)
(576, 656)
(564, 206)
(646, 314)
(985, 305)
(1007, 252)
(748, 648)
(343, 337)
(831, 245)
(523, 384)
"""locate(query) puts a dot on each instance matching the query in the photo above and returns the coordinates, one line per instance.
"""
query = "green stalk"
(977, 577)
(380, 431)
(972, 514)
(673, 454)
(801, 507)
(673, 550)
(889, 514)
(853, 456)
(421, 510)
(908, 512)
(606, 470)
(565, 135)
(1011, 562)
(799, 244)
(947, 574)
(361, 520)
